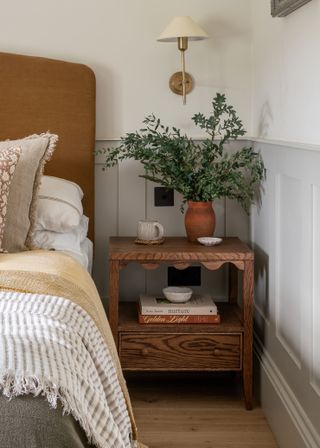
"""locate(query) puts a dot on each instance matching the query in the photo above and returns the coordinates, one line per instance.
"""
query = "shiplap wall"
(122, 199)
(285, 234)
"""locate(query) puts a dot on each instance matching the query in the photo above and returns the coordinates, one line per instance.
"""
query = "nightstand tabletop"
(178, 249)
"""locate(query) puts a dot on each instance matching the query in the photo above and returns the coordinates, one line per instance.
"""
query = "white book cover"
(198, 305)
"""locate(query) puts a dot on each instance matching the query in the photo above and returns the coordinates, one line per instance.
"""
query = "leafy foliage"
(199, 171)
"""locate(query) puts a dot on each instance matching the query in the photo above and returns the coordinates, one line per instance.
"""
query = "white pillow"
(59, 205)
(87, 252)
(67, 241)
(86, 255)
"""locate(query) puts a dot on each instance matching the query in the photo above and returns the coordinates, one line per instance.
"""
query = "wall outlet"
(184, 277)
(163, 197)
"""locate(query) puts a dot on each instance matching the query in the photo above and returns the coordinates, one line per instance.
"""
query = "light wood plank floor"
(196, 412)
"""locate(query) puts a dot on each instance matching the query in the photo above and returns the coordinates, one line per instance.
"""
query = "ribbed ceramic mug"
(150, 230)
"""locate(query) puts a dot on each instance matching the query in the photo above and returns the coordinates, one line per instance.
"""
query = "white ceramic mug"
(150, 230)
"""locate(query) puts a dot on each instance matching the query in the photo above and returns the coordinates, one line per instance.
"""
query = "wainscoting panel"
(261, 222)
(285, 236)
(285, 233)
(132, 208)
(288, 265)
(106, 219)
(315, 372)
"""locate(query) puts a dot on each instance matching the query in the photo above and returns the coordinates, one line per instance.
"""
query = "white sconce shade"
(182, 26)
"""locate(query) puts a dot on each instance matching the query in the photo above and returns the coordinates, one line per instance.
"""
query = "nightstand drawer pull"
(144, 352)
(216, 352)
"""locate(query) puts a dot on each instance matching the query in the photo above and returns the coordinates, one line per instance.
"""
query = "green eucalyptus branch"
(200, 172)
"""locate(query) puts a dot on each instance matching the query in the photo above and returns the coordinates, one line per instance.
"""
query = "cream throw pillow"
(8, 162)
(36, 150)
(59, 205)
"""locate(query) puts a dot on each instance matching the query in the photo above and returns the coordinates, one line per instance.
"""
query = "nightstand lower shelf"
(180, 347)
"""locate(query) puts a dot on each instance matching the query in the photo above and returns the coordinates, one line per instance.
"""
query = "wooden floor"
(196, 412)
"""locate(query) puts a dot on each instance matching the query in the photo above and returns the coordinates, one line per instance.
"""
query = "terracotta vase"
(200, 220)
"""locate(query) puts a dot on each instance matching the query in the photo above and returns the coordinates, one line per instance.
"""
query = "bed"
(41, 94)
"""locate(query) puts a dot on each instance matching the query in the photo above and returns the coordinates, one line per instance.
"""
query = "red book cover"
(178, 319)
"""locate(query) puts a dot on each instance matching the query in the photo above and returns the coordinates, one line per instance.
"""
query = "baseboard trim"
(295, 411)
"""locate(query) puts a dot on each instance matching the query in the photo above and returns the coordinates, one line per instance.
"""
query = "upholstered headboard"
(39, 94)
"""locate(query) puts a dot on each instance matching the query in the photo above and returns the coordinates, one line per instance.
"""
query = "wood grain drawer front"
(180, 351)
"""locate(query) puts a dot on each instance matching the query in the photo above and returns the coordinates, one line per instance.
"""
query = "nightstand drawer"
(180, 351)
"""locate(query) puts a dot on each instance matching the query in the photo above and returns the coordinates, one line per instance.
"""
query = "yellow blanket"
(57, 274)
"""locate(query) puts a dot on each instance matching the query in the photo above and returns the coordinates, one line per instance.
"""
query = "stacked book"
(200, 309)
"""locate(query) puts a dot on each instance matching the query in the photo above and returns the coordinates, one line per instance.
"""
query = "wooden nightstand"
(224, 347)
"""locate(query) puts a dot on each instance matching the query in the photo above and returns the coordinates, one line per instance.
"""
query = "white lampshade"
(182, 26)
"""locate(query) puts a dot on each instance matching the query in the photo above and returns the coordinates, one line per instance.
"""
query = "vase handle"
(160, 230)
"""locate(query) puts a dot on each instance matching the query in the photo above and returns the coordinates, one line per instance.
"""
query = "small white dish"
(177, 294)
(208, 241)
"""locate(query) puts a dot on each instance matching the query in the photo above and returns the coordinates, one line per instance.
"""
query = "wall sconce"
(180, 30)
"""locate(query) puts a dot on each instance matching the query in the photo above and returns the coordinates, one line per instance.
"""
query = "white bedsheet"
(86, 256)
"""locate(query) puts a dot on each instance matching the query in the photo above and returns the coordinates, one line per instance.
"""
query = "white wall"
(286, 73)
(118, 40)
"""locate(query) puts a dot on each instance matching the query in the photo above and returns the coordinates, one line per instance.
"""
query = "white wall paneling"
(263, 216)
(288, 419)
(285, 234)
(132, 208)
(106, 219)
(315, 372)
(288, 265)
(284, 231)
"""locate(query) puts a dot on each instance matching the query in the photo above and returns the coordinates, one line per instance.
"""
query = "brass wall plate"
(175, 83)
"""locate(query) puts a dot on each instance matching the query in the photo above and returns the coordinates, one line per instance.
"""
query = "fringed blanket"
(55, 341)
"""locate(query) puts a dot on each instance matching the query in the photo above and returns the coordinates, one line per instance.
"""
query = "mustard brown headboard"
(39, 94)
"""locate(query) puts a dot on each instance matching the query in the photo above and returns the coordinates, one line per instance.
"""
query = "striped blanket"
(50, 346)
(54, 332)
